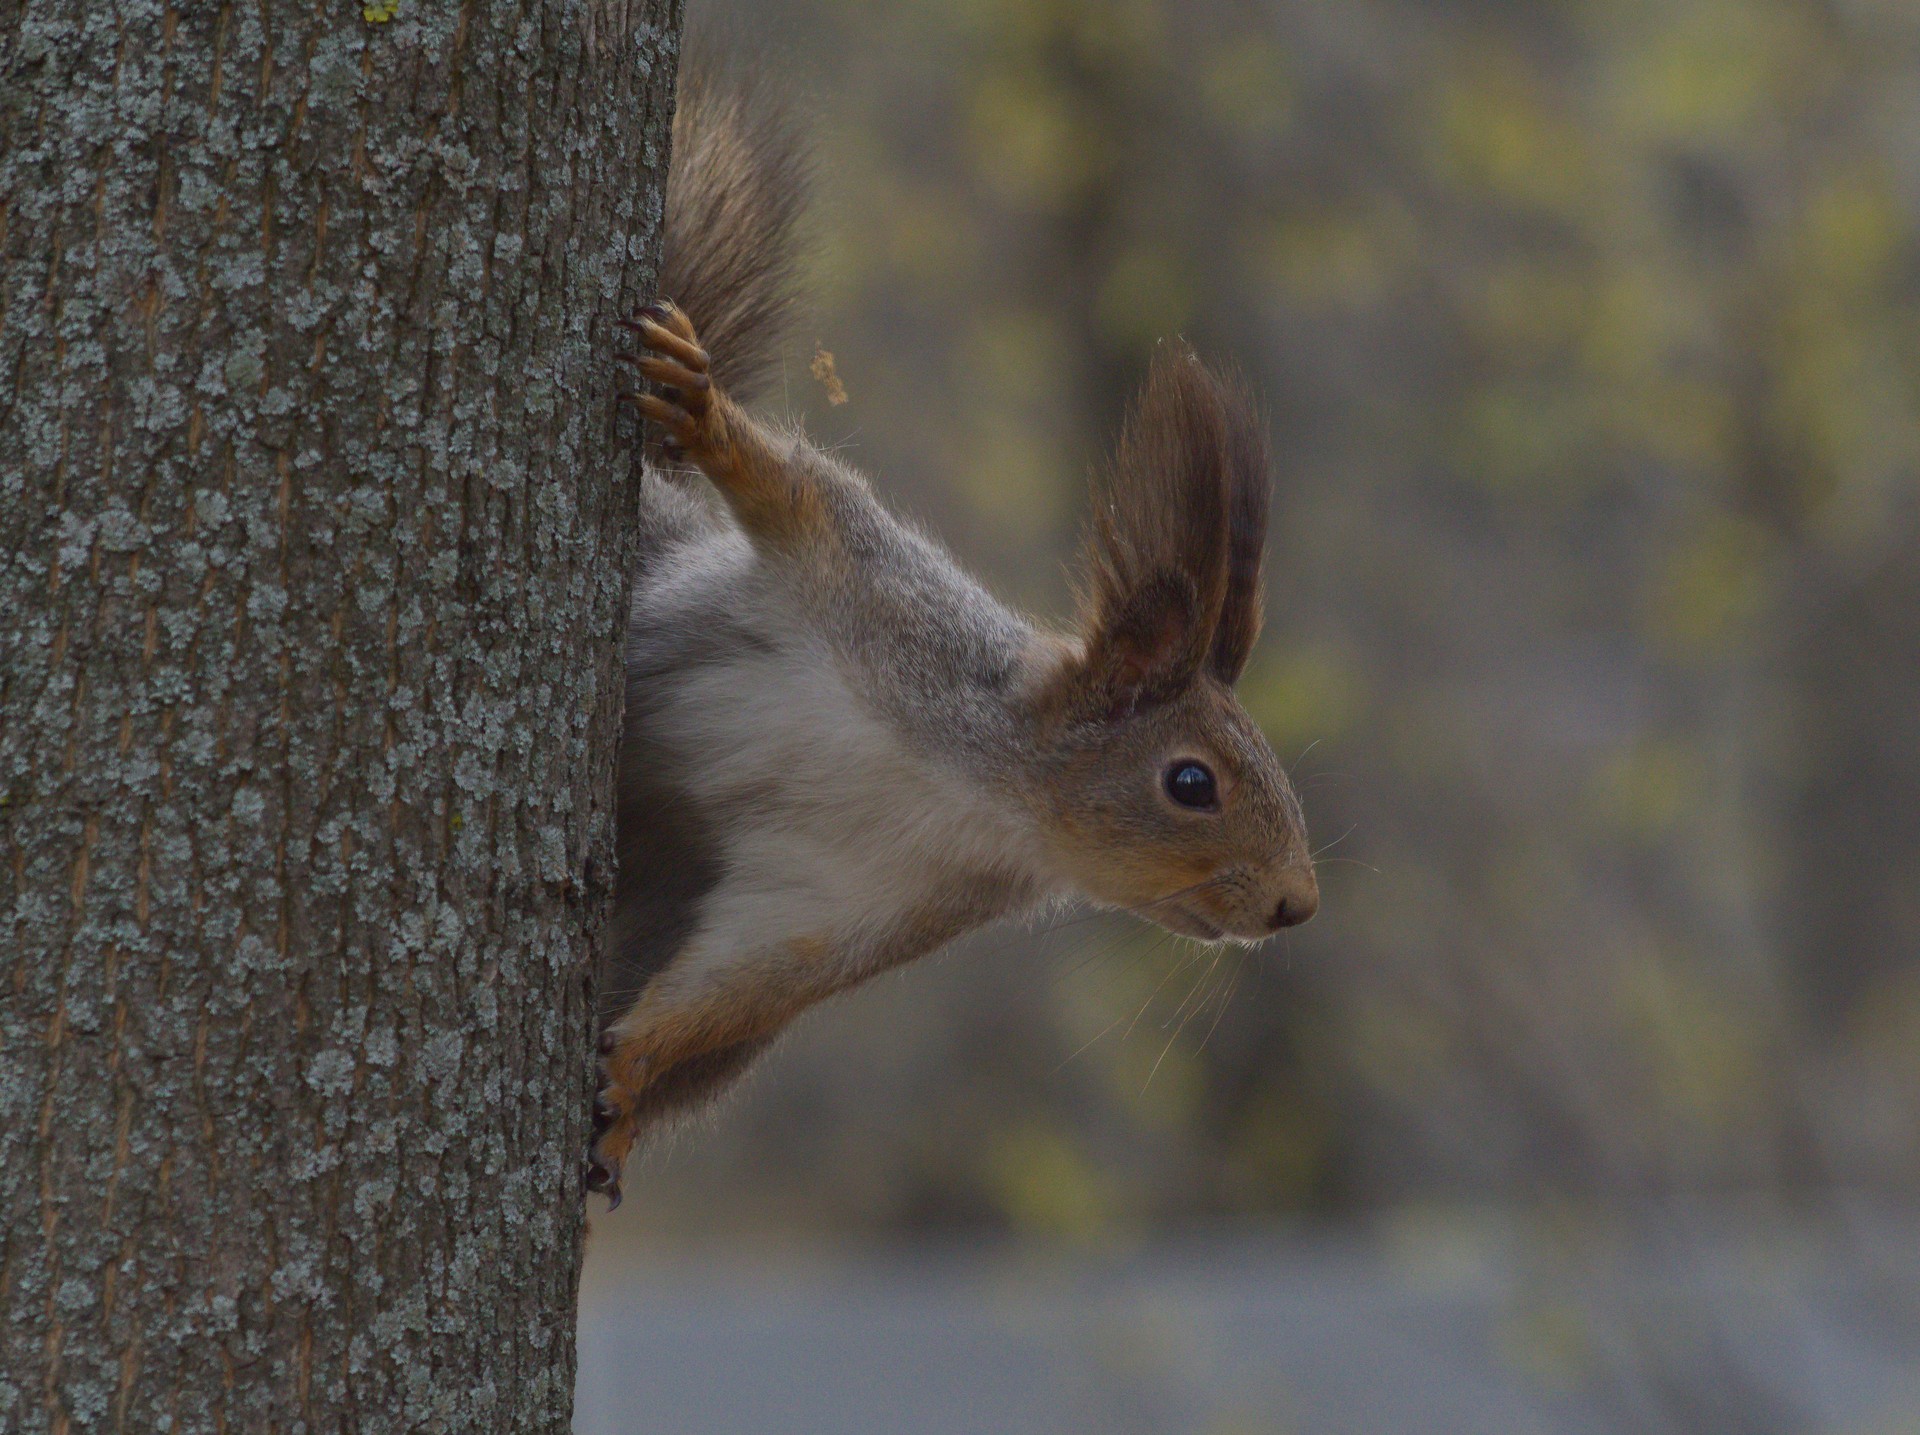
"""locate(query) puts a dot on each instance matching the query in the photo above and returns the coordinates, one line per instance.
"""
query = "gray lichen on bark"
(313, 517)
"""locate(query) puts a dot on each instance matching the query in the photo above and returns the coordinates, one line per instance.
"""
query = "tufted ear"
(1172, 557)
(1145, 649)
(1244, 464)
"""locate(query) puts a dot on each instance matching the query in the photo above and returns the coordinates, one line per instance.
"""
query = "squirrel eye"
(1191, 785)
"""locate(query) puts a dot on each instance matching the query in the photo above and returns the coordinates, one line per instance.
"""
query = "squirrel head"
(1160, 793)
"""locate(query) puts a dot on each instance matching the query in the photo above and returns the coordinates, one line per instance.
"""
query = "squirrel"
(840, 751)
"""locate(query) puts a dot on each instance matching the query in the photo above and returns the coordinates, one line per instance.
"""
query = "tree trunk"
(313, 530)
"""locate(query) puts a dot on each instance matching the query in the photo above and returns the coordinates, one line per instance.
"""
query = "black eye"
(1191, 785)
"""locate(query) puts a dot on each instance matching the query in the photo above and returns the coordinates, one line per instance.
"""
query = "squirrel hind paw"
(602, 1177)
(612, 1139)
(616, 1119)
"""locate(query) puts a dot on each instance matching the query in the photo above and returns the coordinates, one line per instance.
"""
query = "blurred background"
(1590, 331)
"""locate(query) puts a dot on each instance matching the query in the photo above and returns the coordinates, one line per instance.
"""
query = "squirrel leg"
(687, 1016)
(774, 498)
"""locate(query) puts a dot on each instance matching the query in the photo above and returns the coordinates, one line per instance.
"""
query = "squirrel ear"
(1147, 650)
(1172, 565)
(1245, 467)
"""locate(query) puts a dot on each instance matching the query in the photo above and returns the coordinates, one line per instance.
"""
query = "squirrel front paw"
(675, 361)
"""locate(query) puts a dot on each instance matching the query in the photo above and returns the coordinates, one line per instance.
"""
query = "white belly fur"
(848, 835)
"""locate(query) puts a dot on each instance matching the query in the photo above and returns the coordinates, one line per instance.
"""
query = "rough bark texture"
(313, 506)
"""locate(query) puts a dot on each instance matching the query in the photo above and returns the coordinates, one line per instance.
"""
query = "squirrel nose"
(1298, 905)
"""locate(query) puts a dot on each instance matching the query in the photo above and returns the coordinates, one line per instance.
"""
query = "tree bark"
(314, 514)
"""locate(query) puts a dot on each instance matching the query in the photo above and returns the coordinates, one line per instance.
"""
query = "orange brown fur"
(665, 1032)
(767, 493)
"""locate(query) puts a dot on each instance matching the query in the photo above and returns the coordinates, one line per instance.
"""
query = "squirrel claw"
(651, 312)
(602, 1177)
(673, 341)
(671, 317)
(679, 425)
(677, 378)
(661, 314)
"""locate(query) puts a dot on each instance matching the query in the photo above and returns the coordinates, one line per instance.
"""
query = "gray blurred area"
(1590, 331)
(1448, 1330)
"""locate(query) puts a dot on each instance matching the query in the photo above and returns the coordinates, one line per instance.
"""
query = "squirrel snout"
(1299, 904)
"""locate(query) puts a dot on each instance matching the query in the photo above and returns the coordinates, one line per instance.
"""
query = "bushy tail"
(734, 195)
